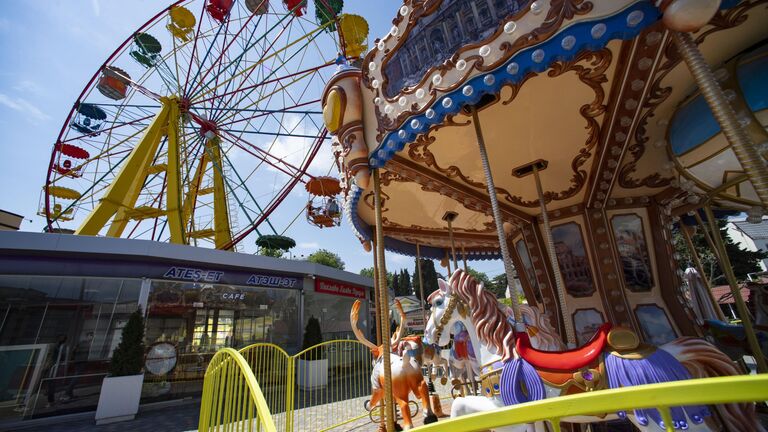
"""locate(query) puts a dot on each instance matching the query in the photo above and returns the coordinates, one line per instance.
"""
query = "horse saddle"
(564, 361)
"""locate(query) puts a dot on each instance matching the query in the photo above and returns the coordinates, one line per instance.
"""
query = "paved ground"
(184, 417)
(175, 418)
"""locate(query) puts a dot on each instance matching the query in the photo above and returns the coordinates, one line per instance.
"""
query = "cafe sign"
(326, 286)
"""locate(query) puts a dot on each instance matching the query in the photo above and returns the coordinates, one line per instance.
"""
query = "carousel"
(570, 139)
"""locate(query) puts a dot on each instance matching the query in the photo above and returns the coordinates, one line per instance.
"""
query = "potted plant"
(312, 366)
(121, 390)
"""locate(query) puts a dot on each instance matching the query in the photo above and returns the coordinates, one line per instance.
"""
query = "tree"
(326, 258)
(498, 286)
(429, 275)
(395, 285)
(313, 336)
(405, 282)
(274, 253)
(368, 272)
(742, 260)
(128, 358)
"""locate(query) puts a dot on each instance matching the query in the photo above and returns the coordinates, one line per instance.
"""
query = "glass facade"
(57, 335)
(188, 322)
(56, 338)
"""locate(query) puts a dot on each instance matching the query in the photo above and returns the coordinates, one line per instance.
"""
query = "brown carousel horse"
(516, 372)
(405, 360)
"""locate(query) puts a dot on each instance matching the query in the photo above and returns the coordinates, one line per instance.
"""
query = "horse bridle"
(453, 302)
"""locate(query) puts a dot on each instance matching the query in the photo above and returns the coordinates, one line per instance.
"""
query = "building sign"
(414, 322)
(325, 286)
(273, 281)
(197, 275)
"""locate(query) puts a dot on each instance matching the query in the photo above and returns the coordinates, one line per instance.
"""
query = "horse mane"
(490, 321)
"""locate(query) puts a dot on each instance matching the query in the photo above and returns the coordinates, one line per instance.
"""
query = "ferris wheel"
(198, 126)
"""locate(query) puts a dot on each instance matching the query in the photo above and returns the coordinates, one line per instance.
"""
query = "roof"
(66, 254)
(722, 294)
(753, 231)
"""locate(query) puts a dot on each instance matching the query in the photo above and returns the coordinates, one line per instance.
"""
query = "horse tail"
(703, 360)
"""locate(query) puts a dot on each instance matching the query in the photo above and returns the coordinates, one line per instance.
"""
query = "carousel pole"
(743, 148)
(430, 385)
(519, 326)
(383, 297)
(700, 268)
(421, 284)
(450, 217)
(570, 334)
(725, 265)
(464, 257)
(377, 324)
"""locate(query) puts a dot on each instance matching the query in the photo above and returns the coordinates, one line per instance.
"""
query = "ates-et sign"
(332, 287)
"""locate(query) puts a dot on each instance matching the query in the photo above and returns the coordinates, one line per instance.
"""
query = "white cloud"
(27, 86)
(32, 113)
(312, 245)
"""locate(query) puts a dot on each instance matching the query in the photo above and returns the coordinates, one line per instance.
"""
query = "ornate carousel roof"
(595, 91)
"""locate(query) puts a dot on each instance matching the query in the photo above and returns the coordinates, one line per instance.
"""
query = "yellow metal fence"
(232, 399)
(263, 387)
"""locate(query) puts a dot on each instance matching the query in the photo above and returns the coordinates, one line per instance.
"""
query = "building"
(750, 236)
(64, 300)
(10, 221)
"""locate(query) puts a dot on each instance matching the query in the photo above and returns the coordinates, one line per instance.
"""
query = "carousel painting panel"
(573, 260)
(451, 25)
(530, 272)
(586, 322)
(655, 324)
(632, 246)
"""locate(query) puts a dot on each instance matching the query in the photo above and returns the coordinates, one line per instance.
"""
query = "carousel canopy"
(596, 91)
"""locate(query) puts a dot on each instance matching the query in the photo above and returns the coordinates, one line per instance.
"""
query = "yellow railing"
(261, 386)
(319, 389)
(232, 399)
(707, 391)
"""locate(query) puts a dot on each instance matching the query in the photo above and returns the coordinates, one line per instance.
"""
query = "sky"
(49, 49)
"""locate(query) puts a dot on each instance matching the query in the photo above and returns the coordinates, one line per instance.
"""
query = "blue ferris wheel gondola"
(89, 119)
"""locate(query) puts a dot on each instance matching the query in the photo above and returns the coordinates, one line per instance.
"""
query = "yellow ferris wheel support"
(118, 205)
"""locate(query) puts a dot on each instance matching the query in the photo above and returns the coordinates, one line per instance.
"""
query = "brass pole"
(464, 257)
(498, 220)
(570, 334)
(448, 264)
(700, 268)
(377, 324)
(743, 148)
(725, 265)
(421, 285)
(388, 410)
(453, 245)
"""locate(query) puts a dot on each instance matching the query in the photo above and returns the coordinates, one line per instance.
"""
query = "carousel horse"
(436, 365)
(405, 361)
(462, 361)
(515, 372)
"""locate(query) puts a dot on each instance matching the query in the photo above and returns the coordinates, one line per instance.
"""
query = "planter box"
(312, 374)
(119, 399)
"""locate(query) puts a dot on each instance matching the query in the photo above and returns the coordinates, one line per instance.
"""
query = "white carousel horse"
(550, 374)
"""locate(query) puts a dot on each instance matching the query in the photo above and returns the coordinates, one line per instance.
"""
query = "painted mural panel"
(530, 272)
(573, 260)
(586, 322)
(655, 324)
(436, 37)
(633, 251)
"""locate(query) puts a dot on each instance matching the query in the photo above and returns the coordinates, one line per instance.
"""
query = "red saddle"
(564, 360)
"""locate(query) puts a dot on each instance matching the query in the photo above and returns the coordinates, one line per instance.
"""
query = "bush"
(128, 358)
(312, 336)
